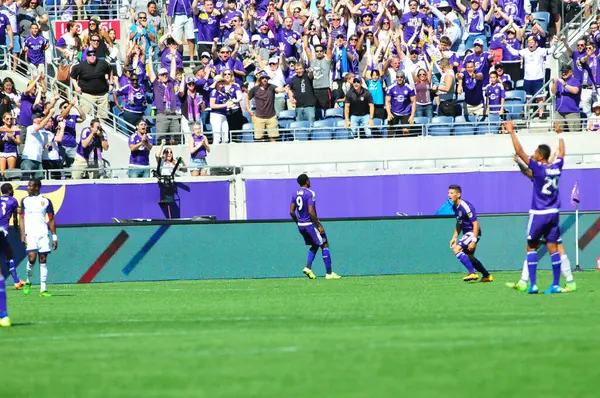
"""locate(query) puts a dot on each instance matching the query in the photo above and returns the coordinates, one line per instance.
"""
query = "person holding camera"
(93, 141)
(140, 145)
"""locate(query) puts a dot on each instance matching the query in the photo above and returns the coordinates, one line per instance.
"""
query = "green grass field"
(410, 336)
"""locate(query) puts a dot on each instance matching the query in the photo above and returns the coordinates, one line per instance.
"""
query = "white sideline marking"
(96, 289)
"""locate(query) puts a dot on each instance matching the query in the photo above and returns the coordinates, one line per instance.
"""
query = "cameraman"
(89, 150)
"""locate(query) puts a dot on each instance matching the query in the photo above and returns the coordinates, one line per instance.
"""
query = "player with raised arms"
(565, 264)
(545, 206)
(10, 209)
(464, 249)
(303, 211)
(34, 233)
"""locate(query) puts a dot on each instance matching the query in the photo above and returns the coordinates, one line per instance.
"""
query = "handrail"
(583, 21)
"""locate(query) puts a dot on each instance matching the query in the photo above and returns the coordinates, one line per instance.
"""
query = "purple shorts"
(466, 239)
(311, 235)
(544, 226)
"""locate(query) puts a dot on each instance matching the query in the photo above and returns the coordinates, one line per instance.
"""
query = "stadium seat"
(520, 84)
(520, 94)
(284, 126)
(514, 108)
(378, 130)
(468, 128)
(247, 133)
(301, 134)
(489, 125)
(320, 133)
(460, 99)
(334, 113)
(287, 115)
(341, 132)
(440, 125)
(543, 18)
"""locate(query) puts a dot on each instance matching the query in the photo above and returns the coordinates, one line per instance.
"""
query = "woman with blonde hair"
(199, 148)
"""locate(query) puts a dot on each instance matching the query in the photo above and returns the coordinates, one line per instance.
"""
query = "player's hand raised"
(510, 127)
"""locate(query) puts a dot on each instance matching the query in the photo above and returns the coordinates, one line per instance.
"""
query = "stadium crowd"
(215, 66)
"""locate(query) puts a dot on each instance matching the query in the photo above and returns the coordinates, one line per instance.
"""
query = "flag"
(575, 195)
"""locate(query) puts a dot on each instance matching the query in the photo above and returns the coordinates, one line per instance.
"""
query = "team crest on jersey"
(460, 214)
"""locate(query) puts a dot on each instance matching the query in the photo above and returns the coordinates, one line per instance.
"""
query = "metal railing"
(116, 9)
(580, 22)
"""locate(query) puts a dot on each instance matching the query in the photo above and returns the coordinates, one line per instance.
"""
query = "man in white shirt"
(35, 144)
(533, 64)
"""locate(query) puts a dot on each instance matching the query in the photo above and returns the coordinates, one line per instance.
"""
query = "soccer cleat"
(533, 290)
(571, 287)
(45, 293)
(27, 288)
(554, 289)
(471, 277)
(520, 285)
(333, 275)
(488, 278)
(4, 322)
(19, 285)
(308, 272)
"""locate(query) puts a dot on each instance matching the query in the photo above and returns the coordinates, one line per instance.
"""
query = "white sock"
(525, 272)
(565, 268)
(29, 271)
(43, 276)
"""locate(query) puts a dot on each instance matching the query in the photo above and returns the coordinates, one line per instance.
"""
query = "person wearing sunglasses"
(10, 135)
(142, 30)
(140, 144)
(166, 159)
(199, 149)
(413, 20)
(207, 21)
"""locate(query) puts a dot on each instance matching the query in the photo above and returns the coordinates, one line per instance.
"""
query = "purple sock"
(13, 270)
(466, 262)
(312, 252)
(327, 260)
(556, 261)
(532, 266)
(3, 310)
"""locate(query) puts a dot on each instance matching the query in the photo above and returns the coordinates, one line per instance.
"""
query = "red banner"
(61, 27)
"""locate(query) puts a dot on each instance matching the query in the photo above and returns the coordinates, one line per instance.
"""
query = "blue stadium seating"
(247, 133)
(489, 125)
(334, 113)
(287, 115)
(543, 18)
(302, 133)
(521, 94)
(421, 120)
(322, 134)
(464, 129)
(341, 133)
(519, 85)
(440, 125)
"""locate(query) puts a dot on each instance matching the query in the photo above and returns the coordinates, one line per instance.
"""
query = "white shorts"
(8, 155)
(40, 244)
(183, 24)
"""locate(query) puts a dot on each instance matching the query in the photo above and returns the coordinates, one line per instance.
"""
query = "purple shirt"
(183, 7)
(565, 101)
(465, 215)
(208, 26)
(303, 198)
(514, 8)
(165, 98)
(4, 22)
(340, 30)
(401, 103)
(473, 90)
(200, 153)
(220, 98)
(165, 59)
(411, 22)
(9, 145)
(577, 65)
(287, 37)
(70, 138)
(203, 88)
(545, 184)
(9, 207)
(36, 46)
(94, 144)
(26, 115)
(494, 93)
(134, 100)
(475, 21)
(507, 57)
(482, 64)
(141, 156)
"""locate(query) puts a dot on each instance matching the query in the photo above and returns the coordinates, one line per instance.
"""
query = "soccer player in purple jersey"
(464, 249)
(4, 320)
(565, 263)
(545, 206)
(303, 211)
(9, 207)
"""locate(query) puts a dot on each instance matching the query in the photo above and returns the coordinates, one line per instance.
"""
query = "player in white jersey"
(34, 233)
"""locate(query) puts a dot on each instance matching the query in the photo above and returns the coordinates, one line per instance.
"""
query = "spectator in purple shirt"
(494, 95)
(168, 52)
(471, 83)
(199, 148)
(68, 144)
(179, 15)
(568, 96)
(140, 145)
(475, 22)
(290, 38)
(26, 105)
(89, 150)
(133, 98)
(412, 21)
(400, 104)
(35, 46)
(10, 137)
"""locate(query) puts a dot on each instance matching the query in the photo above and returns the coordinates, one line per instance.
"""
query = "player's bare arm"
(293, 212)
(510, 127)
(455, 235)
(526, 171)
(473, 243)
(313, 217)
(52, 226)
(561, 141)
(22, 227)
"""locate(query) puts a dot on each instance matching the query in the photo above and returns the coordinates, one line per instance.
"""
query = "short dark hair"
(6, 188)
(494, 73)
(544, 150)
(302, 179)
(455, 187)
(36, 181)
(95, 120)
(151, 2)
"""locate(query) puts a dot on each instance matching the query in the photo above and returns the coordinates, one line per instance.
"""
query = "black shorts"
(551, 6)
(323, 96)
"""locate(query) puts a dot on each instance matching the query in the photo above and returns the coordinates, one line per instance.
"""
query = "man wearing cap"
(503, 78)
(412, 21)
(179, 14)
(266, 44)
(400, 104)
(593, 123)
(511, 63)
(290, 38)
(225, 59)
(169, 52)
(568, 96)
(481, 59)
(475, 22)
(576, 55)
(207, 22)
(301, 89)
(359, 108)
(320, 63)
(533, 64)
(89, 79)
(168, 111)
(264, 118)
(276, 77)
